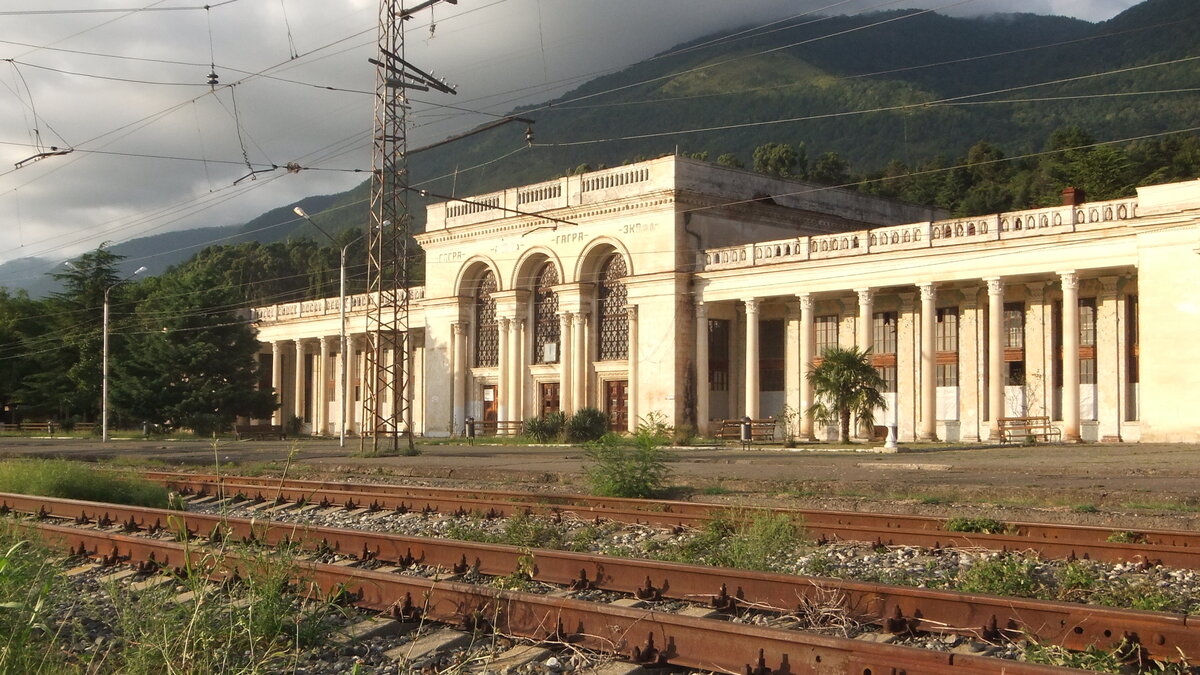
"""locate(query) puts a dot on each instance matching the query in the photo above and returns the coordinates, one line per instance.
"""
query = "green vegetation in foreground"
(71, 480)
(975, 525)
(742, 540)
(641, 471)
(255, 626)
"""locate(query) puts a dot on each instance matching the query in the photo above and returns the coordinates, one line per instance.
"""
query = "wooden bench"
(46, 427)
(497, 427)
(258, 431)
(760, 430)
(1020, 429)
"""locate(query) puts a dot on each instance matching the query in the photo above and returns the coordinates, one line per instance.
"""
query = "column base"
(1072, 438)
(927, 438)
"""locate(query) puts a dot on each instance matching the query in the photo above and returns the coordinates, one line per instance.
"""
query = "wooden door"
(489, 403)
(549, 397)
(617, 404)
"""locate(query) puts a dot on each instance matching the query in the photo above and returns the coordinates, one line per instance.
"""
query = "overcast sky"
(155, 149)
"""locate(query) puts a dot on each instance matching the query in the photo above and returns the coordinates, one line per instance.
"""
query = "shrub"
(70, 480)
(742, 540)
(619, 471)
(546, 428)
(587, 424)
(976, 525)
(1011, 575)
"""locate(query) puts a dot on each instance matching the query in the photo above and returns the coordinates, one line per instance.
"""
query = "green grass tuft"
(71, 480)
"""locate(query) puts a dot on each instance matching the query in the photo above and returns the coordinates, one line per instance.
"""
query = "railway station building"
(705, 293)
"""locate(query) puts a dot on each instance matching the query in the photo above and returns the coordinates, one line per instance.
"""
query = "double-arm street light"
(104, 360)
(345, 381)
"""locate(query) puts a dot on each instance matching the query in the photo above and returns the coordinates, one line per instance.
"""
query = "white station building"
(705, 293)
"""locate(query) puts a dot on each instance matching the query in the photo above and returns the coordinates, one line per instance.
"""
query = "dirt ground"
(1123, 485)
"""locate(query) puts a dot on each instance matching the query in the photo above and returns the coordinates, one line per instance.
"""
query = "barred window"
(613, 319)
(545, 313)
(487, 336)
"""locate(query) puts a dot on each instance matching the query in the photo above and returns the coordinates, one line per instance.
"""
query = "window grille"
(545, 311)
(614, 321)
(487, 336)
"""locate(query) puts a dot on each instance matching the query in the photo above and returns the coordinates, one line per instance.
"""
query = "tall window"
(827, 333)
(718, 354)
(614, 321)
(771, 368)
(1131, 357)
(545, 313)
(1014, 343)
(946, 343)
(883, 355)
(487, 338)
(1087, 341)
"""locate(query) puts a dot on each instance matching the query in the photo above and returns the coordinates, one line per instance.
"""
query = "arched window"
(487, 338)
(545, 316)
(614, 322)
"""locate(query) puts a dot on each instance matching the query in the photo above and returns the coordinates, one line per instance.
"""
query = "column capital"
(460, 327)
(906, 301)
(701, 310)
(580, 318)
(806, 301)
(1069, 279)
(631, 311)
(1108, 286)
(995, 286)
(751, 305)
(1035, 292)
(504, 322)
(864, 295)
(276, 345)
(565, 317)
(928, 291)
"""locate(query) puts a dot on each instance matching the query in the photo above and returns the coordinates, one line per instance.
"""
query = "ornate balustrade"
(996, 227)
(356, 304)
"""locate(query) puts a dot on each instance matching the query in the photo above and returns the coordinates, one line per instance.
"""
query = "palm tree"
(844, 384)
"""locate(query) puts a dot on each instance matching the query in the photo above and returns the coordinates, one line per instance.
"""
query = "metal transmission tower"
(387, 404)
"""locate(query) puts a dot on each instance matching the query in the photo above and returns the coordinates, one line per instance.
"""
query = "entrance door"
(549, 397)
(617, 404)
(489, 403)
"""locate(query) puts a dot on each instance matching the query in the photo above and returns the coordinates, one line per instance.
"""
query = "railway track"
(896, 609)
(1174, 548)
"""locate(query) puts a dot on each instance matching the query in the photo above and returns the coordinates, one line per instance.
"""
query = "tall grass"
(27, 592)
(71, 480)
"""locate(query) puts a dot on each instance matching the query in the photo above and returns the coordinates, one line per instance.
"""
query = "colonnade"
(925, 393)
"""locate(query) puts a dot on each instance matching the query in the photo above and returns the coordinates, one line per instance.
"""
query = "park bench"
(258, 431)
(46, 427)
(498, 427)
(760, 430)
(1021, 429)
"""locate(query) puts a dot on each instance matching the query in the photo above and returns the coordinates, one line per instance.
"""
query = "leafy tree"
(194, 359)
(781, 159)
(844, 384)
(831, 169)
(730, 160)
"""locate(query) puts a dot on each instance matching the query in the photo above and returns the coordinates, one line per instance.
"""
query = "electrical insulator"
(212, 78)
(529, 135)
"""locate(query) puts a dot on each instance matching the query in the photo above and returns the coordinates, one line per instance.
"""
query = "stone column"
(503, 325)
(995, 356)
(1038, 392)
(298, 400)
(908, 369)
(969, 376)
(702, 375)
(566, 369)
(1110, 373)
(322, 412)
(632, 368)
(928, 363)
(1070, 357)
(752, 394)
(516, 368)
(277, 380)
(806, 358)
(459, 370)
(580, 362)
(866, 319)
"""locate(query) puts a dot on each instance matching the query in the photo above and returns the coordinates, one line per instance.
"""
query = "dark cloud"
(498, 54)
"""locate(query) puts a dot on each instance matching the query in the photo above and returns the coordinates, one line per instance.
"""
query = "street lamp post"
(345, 380)
(104, 360)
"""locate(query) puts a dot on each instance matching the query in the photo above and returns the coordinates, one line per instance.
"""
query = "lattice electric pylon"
(387, 399)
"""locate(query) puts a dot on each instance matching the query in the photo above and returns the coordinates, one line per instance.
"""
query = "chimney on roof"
(1073, 196)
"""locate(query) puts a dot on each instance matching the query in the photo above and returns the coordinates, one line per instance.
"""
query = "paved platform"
(1160, 480)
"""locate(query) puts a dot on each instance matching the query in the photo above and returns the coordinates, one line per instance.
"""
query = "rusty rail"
(644, 636)
(1173, 548)
(895, 608)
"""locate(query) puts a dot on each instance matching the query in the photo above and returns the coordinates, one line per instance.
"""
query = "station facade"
(705, 293)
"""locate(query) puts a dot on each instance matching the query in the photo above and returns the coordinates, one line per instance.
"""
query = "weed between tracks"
(256, 624)
(72, 480)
